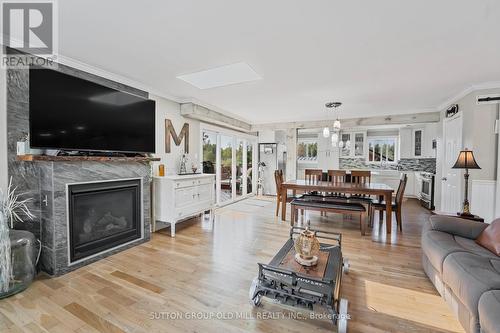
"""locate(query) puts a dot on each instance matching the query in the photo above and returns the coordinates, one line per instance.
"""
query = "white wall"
(166, 109)
(267, 136)
(479, 135)
(3, 129)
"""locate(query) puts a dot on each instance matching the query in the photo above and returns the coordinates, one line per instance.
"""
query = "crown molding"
(71, 62)
(466, 91)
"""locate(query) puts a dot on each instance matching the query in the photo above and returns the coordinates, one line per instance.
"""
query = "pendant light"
(336, 123)
(326, 132)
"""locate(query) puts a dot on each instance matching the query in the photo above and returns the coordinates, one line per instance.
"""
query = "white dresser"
(178, 198)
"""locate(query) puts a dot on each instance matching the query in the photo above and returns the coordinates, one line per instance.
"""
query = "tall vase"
(5, 254)
(18, 258)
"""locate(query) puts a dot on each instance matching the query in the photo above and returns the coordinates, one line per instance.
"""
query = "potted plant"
(18, 255)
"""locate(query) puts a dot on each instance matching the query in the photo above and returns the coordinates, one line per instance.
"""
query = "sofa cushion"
(469, 275)
(437, 246)
(457, 226)
(490, 237)
(471, 246)
(489, 310)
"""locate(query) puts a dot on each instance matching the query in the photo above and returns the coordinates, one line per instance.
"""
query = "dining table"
(382, 191)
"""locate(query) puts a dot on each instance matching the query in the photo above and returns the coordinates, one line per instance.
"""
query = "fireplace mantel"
(47, 158)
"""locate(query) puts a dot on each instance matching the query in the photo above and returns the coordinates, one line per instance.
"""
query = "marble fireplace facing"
(90, 210)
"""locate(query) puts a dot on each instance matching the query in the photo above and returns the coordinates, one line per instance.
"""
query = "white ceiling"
(377, 57)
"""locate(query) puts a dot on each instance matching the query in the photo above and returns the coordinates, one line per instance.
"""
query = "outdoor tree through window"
(382, 150)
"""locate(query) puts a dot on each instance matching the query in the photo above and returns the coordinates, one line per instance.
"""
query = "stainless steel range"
(427, 190)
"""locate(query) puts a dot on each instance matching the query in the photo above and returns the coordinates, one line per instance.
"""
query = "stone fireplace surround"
(54, 178)
(41, 180)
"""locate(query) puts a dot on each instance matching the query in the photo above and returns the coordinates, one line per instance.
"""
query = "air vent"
(488, 99)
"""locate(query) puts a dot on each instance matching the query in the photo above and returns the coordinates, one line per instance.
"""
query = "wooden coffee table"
(288, 282)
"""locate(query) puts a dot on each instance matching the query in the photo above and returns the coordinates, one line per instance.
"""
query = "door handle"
(444, 179)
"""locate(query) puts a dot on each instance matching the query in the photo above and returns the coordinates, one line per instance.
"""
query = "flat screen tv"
(69, 113)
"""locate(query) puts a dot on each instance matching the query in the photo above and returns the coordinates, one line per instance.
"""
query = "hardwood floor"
(199, 281)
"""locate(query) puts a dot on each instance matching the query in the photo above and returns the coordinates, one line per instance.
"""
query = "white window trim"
(396, 149)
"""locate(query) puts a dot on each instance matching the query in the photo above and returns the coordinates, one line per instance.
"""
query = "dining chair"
(361, 177)
(313, 175)
(396, 204)
(279, 179)
(337, 176)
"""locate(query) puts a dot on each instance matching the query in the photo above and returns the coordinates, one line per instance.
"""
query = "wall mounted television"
(73, 114)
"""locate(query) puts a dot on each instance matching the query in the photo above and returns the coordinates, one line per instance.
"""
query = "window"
(307, 151)
(382, 149)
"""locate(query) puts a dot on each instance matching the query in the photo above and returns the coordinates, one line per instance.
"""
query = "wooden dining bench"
(329, 206)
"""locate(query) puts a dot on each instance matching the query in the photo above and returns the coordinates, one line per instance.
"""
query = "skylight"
(221, 76)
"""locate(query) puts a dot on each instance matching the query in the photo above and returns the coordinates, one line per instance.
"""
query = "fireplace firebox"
(103, 216)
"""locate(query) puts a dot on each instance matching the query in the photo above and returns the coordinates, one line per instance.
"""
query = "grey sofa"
(465, 274)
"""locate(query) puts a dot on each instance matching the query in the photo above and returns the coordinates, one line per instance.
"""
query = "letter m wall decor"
(170, 133)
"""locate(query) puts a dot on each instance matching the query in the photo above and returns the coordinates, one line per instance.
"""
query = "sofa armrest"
(457, 226)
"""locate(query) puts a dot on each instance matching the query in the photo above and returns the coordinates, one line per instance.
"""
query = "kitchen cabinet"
(410, 185)
(416, 141)
(328, 156)
(418, 184)
(357, 147)
(392, 177)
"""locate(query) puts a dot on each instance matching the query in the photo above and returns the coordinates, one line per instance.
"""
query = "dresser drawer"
(192, 182)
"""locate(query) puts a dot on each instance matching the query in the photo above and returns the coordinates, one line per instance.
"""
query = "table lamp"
(466, 161)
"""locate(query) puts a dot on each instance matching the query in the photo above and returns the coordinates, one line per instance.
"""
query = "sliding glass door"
(226, 169)
(230, 156)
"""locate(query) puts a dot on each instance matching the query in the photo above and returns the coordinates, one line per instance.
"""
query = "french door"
(231, 157)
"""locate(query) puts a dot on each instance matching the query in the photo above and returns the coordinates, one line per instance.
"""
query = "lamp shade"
(466, 160)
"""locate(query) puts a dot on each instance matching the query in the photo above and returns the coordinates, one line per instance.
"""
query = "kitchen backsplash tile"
(405, 164)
